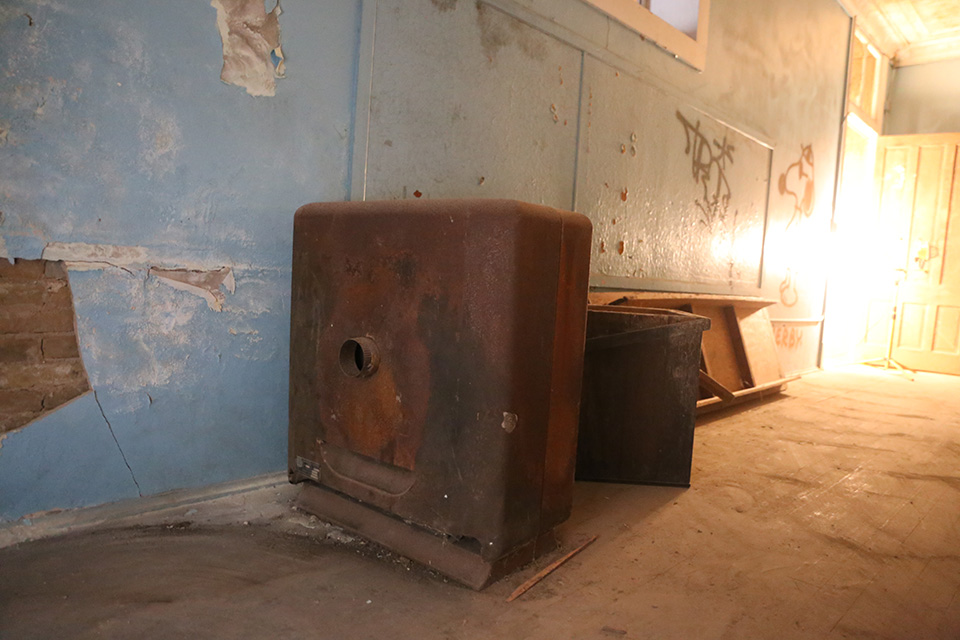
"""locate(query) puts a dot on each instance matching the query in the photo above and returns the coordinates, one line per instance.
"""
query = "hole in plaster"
(40, 364)
(252, 55)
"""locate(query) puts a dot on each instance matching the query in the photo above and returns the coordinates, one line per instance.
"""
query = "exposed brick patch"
(39, 375)
(35, 318)
(60, 345)
(56, 396)
(11, 421)
(40, 365)
(55, 270)
(29, 291)
(21, 400)
(19, 348)
(23, 269)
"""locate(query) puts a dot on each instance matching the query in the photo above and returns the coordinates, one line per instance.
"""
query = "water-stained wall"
(160, 150)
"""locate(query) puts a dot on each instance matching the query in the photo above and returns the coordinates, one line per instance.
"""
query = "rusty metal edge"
(420, 545)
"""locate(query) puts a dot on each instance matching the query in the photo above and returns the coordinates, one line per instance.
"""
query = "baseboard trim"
(52, 523)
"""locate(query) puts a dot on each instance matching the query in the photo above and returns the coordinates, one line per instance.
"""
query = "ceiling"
(910, 31)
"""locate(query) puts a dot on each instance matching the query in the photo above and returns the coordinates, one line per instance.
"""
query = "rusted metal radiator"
(435, 369)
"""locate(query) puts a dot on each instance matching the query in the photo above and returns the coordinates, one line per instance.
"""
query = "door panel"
(912, 321)
(917, 177)
(946, 330)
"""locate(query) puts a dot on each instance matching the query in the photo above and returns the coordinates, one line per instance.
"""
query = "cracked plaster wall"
(121, 151)
(170, 195)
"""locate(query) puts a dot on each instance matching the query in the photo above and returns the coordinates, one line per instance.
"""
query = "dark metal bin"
(640, 387)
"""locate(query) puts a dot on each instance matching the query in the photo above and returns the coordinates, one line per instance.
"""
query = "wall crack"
(117, 442)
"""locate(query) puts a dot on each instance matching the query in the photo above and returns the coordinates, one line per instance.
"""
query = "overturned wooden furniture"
(739, 359)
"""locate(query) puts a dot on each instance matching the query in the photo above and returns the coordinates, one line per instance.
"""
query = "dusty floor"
(832, 511)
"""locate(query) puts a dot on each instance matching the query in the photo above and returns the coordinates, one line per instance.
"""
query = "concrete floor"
(832, 511)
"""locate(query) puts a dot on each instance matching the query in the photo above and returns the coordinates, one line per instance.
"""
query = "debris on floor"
(553, 566)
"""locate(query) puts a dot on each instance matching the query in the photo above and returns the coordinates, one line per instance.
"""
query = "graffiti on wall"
(668, 175)
(788, 289)
(787, 337)
(708, 164)
(797, 182)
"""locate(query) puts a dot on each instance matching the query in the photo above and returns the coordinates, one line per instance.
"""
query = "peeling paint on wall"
(112, 148)
(81, 256)
(205, 284)
(251, 43)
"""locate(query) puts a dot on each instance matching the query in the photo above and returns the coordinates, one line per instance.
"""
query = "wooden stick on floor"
(714, 387)
(526, 586)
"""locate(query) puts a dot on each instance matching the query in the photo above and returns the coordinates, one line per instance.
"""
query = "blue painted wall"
(115, 129)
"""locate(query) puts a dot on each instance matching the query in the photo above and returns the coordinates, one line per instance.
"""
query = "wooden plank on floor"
(759, 345)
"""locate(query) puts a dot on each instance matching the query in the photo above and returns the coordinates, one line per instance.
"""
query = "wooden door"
(919, 181)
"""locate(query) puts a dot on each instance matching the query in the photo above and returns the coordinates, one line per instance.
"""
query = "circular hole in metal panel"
(359, 357)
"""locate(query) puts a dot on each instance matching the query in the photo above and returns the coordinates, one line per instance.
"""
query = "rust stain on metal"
(435, 289)
(621, 247)
(623, 194)
(417, 194)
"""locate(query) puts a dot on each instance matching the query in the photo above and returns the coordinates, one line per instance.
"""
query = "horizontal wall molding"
(55, 523)
(526, 15)
(809, 321)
